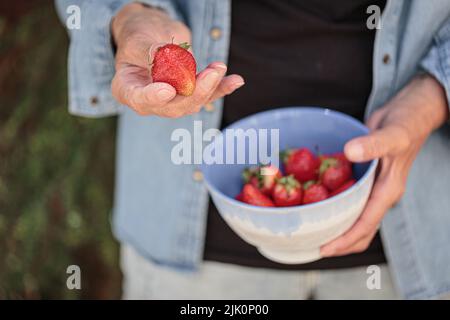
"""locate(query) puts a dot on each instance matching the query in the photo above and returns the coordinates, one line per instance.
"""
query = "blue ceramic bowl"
(288, 234)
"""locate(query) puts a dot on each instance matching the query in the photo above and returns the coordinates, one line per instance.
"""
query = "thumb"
(137, 51)
(150, 53)
(377, 144)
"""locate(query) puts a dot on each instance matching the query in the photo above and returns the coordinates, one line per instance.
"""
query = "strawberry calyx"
(253, 172)
(261, 175)
(247, 174)
(327, 163)
(185, 45)
(308, 184)
(289, 183)
(285, 154)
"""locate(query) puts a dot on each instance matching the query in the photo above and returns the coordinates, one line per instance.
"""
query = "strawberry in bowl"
(302, 163)
(288, 192)
(322, 176)
(263, 178)
(313, 199)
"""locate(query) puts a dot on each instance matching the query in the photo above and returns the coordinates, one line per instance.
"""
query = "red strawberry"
(239, 197)
(302, 163)
(288, 192)
(175, 65)
(335, 171)
(341, 156)
(342, 188)
(251, 195)
(263, 178)
(314, 192)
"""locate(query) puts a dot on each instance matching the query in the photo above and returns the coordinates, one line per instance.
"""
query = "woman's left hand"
(399, 129)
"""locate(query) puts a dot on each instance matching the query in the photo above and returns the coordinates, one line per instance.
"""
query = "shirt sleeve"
(91, 56)
(437, 60)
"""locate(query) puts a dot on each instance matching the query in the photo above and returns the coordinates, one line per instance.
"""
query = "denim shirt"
(160, 208)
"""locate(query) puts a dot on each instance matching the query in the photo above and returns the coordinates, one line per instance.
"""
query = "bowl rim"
(287, 210)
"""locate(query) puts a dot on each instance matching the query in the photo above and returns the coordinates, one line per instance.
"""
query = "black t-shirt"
(292, 53)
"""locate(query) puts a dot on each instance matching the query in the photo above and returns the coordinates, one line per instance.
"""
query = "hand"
(138, 31)
(399, 129)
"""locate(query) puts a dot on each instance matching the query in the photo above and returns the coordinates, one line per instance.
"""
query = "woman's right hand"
(138, 31)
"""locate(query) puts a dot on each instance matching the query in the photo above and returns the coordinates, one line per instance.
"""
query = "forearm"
(432, 112)
(428, 109)
(436, 99)
(437, 62)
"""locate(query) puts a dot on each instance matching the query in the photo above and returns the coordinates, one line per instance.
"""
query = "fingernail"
(211, 79)
(355, 152)
(326, 252)
(220, 66)
(238, 85)
(164, 94)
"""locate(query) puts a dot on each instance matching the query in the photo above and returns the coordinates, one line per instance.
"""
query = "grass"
(56, 170)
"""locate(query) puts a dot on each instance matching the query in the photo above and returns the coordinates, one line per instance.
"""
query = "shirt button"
(94, 101)
(215, 33)
(386, 58)
(209, 107)
(197, 175)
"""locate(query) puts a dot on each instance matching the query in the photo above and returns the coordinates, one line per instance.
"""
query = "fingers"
(138, 51)
(385, 193)
(227, 86)
(132, 88)
(206, 83)
(379, 143)
(355, 239)
(150, 53)
(147, 100)
(360, 246)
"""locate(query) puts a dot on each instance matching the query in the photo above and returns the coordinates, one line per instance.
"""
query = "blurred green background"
(56, 170)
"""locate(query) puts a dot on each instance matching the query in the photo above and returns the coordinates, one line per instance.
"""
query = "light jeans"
(146, 280)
